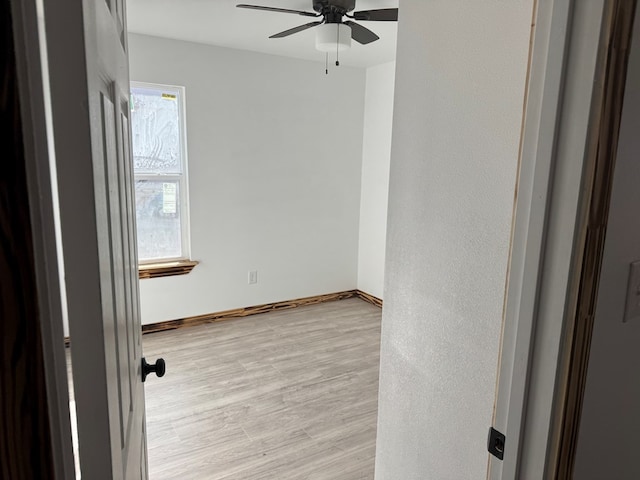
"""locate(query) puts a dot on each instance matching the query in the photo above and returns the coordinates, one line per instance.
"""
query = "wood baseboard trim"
(255, 310)
(367, 297)
(245, 312)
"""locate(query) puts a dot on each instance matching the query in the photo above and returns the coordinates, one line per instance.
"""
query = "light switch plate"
(632, 307)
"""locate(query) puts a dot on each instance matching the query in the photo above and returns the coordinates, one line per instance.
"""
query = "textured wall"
(610, 424)
(376, 154)
(275, 154)
(458, 107)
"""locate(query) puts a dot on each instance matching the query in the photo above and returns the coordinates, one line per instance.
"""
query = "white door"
(89, 78)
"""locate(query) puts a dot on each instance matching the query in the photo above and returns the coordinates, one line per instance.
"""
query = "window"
(160, 172)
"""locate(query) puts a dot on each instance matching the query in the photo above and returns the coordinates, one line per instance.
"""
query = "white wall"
(457, 117)
(275, 154)
(609, 435)
(376, 154)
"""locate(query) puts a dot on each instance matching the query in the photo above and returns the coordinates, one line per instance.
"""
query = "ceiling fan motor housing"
(332, 37)
(342, 6)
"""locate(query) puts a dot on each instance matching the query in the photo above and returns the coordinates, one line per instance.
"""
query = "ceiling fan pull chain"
(337, 44)
(326, 63)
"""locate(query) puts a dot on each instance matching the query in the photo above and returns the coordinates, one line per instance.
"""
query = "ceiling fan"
(332, 13)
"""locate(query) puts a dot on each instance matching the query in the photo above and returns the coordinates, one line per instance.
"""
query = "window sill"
(166, 269)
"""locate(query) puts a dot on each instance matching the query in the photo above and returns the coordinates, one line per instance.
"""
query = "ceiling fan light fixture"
(333, 36)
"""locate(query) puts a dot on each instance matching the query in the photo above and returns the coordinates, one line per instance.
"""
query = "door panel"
(113, 265)
(91, 130)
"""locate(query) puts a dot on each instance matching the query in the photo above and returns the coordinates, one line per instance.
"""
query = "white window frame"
(182, 179)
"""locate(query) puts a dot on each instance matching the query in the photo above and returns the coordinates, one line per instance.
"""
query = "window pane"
(155, 130)
(158, 219)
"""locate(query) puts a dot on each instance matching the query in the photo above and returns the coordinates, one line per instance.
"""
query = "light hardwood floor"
(283, 395)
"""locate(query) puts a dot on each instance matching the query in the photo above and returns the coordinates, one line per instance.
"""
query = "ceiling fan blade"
(361, 34)
(281, 10)
(291, 31)
(381, 15)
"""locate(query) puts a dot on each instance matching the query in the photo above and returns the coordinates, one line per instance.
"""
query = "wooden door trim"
(540, 161)
(598, 182)
(566, 81)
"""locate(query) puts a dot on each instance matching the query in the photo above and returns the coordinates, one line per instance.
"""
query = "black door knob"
(158, 368)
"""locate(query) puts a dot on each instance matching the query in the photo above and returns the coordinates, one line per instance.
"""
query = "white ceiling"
(219, 22)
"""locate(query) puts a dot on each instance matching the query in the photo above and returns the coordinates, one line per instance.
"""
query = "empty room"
(277, 166)
(261, 172)
(318, 239)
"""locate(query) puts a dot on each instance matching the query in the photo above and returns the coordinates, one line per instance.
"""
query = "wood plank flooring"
(283, 395)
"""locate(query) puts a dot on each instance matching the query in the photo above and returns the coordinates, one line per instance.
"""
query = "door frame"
(48, 361)
(558, 232)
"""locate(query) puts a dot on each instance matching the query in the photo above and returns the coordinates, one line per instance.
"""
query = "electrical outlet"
(253, 277)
